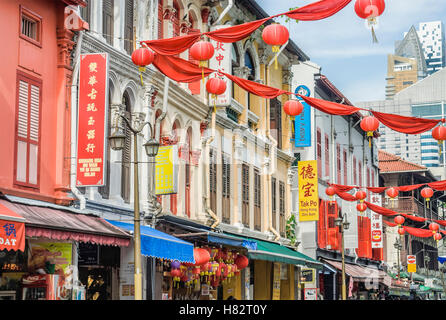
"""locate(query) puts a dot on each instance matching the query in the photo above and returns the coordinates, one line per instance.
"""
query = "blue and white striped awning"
(155, 243)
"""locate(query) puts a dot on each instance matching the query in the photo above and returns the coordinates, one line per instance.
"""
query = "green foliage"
(290, 229)
(289, 19)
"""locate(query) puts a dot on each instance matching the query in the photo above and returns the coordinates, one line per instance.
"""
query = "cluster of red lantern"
(369, 124)
(275, 35)
(293, 108)
(212, 266)
(370, 10)
(434, 227)
(142, 57)
(399, 220)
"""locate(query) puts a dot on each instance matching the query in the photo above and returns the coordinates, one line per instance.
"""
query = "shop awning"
(155, 243)
(277, 253)
(63, 225)
(12, 230)
(361, 273)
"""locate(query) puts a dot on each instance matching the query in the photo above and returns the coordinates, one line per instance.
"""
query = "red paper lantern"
(201, 257)
(202, 51)
(370, 10)
(427, 193)
(216, 87)
(399, 220)
(434, 226)
(361, 207)
(392, 192)
(275, 35)
(142, 57)
(360, 195)
(439, 134)
(330, 191)
(175, 273)
(242, 262)
(293, 108)
(437, 236)
(370, 125)
(401, 231)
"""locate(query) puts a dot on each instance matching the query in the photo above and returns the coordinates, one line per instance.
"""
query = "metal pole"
(137, 223)
(344, 289)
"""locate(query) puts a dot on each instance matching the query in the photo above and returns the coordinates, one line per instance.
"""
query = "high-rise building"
(432, 38)
(407, 65)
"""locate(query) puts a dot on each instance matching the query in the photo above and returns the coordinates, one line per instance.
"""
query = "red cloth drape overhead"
(330, 107)
(390, 224)
(256, 88)
(377, 189)
(410, 187)
(422, 233)
(236, 33)
(441, 222)
(380, 210)
(318, 10)
(438, 185)
(179, 69)
(409, 125)
(342, 188)
(346, 196)
(413, 218)
(172, 46)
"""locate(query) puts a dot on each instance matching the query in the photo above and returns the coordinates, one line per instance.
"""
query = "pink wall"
(45, 63)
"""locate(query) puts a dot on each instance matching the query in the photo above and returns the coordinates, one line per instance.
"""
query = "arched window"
(194, 87)
(187, 179)
(126, 152)
(249, 62)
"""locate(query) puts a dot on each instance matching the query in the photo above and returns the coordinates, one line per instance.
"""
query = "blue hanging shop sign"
(302, 123)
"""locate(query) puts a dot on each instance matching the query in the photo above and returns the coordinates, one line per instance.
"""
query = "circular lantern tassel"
(372, 22)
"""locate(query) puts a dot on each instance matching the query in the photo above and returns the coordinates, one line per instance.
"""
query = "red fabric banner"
(380, 210)
(390, 224)
(346, 196)
(179, 69)
(441, 222)
(409, 125)
(330, 107)
(438, 185)
(377, 189)
(410, 187)
(342, 188)
(413, 218)
(236, 33)
(318, 10)
(422, 233)
(256, 88)
(173, 46)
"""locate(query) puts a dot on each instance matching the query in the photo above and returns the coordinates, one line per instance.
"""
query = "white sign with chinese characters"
(221, 61)
(376, 223)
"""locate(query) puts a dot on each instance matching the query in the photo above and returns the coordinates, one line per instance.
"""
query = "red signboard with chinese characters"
(92, 114)
(12, 235)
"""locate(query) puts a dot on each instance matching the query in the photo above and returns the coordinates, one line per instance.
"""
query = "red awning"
(63, 225)
(12, 230)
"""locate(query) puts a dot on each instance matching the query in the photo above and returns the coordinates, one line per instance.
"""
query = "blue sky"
(343, 47)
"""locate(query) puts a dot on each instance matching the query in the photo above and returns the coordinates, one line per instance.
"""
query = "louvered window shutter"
(107, 20)
(128, 35)
(28, 132)
(160, 19)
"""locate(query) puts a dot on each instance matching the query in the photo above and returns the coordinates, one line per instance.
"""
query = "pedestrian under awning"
(157, 244)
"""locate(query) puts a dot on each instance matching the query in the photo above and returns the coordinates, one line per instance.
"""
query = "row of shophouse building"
(236, 173)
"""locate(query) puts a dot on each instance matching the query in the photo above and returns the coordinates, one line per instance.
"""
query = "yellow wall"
(233, 287)
(263, 279)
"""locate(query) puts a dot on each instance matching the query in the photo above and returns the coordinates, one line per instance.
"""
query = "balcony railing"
(410, 205)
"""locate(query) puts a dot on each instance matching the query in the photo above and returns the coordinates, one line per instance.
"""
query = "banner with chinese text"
(221, 61)
(308, 192)
(92, 119)
(166, 170)
(376, 223)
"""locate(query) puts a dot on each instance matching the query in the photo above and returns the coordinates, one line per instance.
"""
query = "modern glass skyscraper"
(432, 38)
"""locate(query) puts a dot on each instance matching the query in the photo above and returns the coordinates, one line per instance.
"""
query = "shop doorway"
(98, 271)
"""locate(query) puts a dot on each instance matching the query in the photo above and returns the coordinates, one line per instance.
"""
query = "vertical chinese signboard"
(12, 230)
(302, 123)
(222, 61)
(376, 224)
(308, 193)
(92, 119)
(166, 170)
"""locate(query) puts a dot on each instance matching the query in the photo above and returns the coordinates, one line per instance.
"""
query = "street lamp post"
(343, 225)
(117, 142)
(398, 246)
